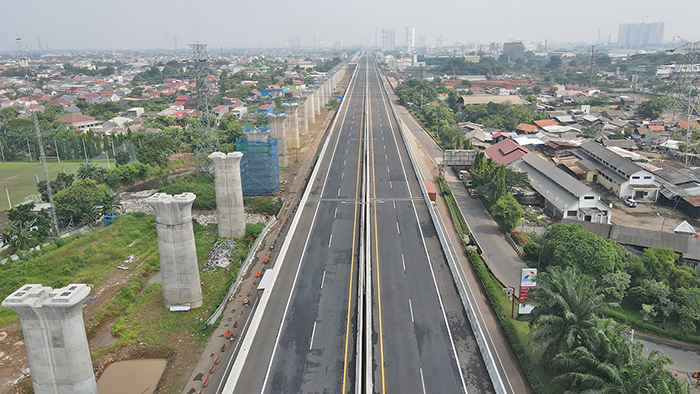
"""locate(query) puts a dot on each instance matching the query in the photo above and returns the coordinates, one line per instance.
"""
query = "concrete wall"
(55, 339)
(229, 194)
(176, 249)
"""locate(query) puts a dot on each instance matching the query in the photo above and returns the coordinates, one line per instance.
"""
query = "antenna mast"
(207, 142)
(24, 63)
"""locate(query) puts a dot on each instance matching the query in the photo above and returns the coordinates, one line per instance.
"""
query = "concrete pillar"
(311, 112)
(54, 336)
(317, 102)
(303, 116)
(229, 194)
(292, 110)
(176, 249)
(277, 130)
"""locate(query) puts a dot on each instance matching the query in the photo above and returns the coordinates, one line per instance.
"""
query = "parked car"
(630, 202)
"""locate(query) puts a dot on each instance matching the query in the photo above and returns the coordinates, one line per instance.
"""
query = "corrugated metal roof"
(603, 154)
(550, 190)
(566, 181)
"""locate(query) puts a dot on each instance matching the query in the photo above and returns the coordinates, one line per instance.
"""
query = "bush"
(128, 174)
(264, 204)
(203, 188)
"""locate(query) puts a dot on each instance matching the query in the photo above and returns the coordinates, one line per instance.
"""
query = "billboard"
(528, 279)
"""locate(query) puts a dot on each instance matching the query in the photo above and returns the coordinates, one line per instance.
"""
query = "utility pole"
(2, 151)
(29, 149)
(590, 81)
(84, 150)
(7, 193)
(55, 145)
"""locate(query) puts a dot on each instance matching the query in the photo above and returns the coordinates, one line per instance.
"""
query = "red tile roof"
(526, 127)
(686, 125)
(74, 118)
(506, 151)
(547, 122)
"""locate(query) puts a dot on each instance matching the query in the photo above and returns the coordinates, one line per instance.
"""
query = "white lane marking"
(430, 263)
(323, 280)
(335, 213)
(329, 242)
(393, 202)
(422, 381)
(385, 157)
(391, 185)
(342, 175)
(410, 306)
(338, 192)
(313, 332)
(403, 262)
(397, 228)
(344, 162)
(229, 387)
(346, 151)
(387, 169)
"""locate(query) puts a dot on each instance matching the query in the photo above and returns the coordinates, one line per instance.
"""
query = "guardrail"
(242, 271)
(486, 354)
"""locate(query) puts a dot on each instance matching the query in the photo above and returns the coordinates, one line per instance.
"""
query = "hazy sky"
(142, 24)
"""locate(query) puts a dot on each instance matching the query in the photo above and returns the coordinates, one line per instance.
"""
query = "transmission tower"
(207, 141)
(24, 64)
(686, 91)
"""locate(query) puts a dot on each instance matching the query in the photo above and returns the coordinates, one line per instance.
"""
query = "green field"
(20, 177)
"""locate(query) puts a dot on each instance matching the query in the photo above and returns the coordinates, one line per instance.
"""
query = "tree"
(26, 228)
(652, 108)
(507, 212)
(554, 62)
(615, 285)
(79, 200)
(568, 245)
(61, 182)
(153, 150)
(655, 298)
(91, 171)
(688, 307)
(516, 180)
(566, 307)
(122, 158)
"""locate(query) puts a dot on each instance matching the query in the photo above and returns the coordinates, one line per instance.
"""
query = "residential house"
(238, 110)
(564, 196)
(221, 111)
(622, 176)
(134, 112)
(267, 109)
(506, 152)
(526, 128)
(79, 121)
(184, 101)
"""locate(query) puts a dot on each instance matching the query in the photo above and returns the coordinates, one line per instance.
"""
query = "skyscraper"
(410, 39)
(388, 39)
(636, 35)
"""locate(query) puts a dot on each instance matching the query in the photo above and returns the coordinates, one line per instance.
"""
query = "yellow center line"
(376, 249)
(352, 261)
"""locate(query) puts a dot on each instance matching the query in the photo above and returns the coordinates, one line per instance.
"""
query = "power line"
(207, 142)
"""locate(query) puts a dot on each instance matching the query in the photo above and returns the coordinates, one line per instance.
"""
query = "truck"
(466, 178)
(432, 193)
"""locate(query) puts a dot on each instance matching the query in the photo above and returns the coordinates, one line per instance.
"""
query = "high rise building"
(410, 39)
(636, 35)
(388, 39)
(514, 50)
(421, 42)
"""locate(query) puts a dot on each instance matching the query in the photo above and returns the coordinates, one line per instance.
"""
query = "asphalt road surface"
(306, 339)
(423, 341)
(305, 342)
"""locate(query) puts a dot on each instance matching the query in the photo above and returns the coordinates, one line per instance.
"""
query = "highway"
(306, 331)
(305, 341)
(423, 341)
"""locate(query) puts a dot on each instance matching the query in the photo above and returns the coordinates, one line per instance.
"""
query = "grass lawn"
(20, 177)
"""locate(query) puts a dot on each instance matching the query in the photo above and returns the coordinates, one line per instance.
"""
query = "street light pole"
(662, 222)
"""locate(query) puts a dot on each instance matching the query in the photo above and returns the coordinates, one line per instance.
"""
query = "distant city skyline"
(131, 24)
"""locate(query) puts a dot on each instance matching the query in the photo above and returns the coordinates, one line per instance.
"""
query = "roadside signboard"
(528, 279)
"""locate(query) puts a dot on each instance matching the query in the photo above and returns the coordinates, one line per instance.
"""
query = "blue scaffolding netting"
(260, 171)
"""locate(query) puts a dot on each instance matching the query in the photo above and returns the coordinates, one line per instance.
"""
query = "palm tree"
(110, 203)
(566, 306)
